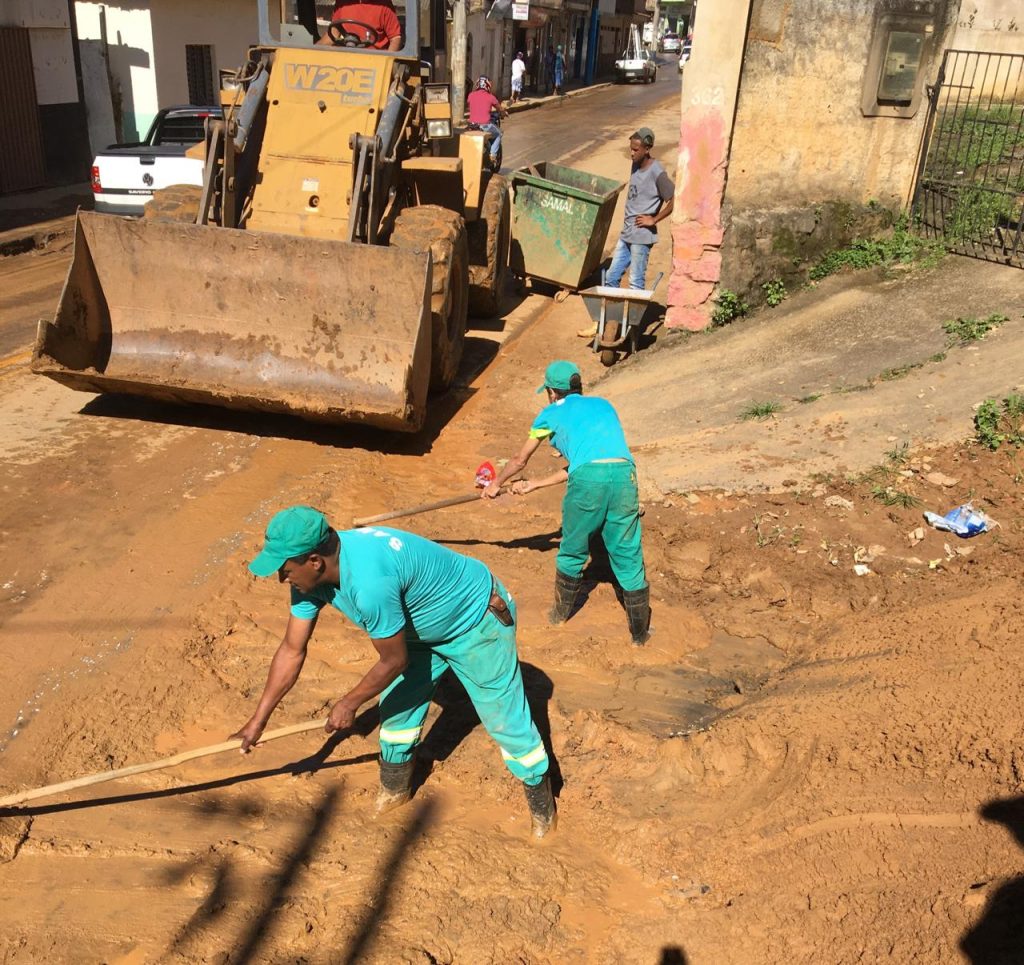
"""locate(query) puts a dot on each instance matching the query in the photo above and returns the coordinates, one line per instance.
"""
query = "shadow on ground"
(998, 936)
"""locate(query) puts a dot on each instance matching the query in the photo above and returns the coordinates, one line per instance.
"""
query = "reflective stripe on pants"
(486, 662)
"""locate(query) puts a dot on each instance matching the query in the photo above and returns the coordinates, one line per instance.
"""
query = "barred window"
(199, 68)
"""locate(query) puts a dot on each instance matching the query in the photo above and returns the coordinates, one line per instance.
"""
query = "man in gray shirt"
(648, 201)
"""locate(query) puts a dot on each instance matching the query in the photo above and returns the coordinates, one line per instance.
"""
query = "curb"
(17, 241)
(555, 98)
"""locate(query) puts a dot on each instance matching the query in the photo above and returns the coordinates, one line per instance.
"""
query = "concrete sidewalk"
(539, 100)
(33, 219)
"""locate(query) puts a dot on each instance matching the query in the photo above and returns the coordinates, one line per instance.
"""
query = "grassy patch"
(893, 496)
(807, 399)
(760, 410)
(887, 485)
(977, 137)
(900, 248)
(997, 423)
(964, 330)
(890, 375)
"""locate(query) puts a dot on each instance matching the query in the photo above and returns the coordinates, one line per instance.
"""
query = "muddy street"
(804, 764)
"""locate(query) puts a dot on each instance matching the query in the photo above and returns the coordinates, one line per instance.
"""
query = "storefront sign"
(520, 11)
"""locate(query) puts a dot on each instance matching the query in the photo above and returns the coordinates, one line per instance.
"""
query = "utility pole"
(458, 60)
(656, 17)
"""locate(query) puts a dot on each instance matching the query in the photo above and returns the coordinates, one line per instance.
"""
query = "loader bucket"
(325, 330)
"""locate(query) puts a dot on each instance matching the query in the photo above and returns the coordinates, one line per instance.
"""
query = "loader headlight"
(436, 93)
(439, 128)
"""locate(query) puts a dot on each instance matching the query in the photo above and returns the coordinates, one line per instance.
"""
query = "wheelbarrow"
(619, 316)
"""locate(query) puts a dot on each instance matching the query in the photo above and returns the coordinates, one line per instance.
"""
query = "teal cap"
(558, 375)
(292, 532)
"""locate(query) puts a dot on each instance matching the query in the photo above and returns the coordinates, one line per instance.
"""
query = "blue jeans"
(496, 142)
(635, 256)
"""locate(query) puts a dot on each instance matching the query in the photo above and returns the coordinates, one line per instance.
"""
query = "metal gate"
(970, 180)
(21, 144)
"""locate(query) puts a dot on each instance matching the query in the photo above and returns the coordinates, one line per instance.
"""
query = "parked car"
(637, 65)
(124, 176)
(684, 55)
(670, 43)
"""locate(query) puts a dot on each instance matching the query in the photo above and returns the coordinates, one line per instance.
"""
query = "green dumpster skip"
(560, 221)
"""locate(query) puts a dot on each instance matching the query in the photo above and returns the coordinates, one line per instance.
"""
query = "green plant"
(976, 212)
(891, 496)
(805, 400)
(728, 306)
(885, 479)
(890, 375)
(937, 357)
(996, 423)
(900, 247)
(898, 455)
(766, 537)
(760, 410)
(774, 292)
(970, 329)
(975, 137)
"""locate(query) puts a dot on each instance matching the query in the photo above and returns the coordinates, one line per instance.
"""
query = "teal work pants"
(601, 497)
(486, 661)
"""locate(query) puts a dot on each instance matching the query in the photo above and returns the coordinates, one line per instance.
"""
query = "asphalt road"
(30, 283)
(580, 123)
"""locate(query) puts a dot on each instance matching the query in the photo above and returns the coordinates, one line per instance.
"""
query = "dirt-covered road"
(804, 765)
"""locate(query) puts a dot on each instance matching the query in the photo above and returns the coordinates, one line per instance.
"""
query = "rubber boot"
(542, 807)
(566, 588)
(638, 612)
(395, 785)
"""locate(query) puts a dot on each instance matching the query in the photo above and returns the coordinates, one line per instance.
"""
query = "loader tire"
(489, 239)
(178, 203)
(444, 233)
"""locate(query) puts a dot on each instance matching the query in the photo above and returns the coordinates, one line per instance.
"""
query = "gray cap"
(645, 136)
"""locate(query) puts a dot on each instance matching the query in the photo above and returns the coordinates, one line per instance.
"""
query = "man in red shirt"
(482, 106)
(354, 16)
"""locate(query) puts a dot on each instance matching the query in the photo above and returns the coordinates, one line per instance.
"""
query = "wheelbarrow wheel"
(609, 355)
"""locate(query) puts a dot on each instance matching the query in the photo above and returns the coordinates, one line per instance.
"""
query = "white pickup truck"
(124, 176)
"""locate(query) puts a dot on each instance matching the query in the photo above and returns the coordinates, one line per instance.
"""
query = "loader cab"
(300, 23)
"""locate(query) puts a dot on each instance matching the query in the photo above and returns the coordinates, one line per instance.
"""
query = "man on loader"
(426, 608)
(601, 496)
(354, 16)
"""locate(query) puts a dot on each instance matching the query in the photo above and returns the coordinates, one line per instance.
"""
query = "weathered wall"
(800, 136)
(993, 25)
(708, 101)
(142, 44)
(62, 121)
(785, 164)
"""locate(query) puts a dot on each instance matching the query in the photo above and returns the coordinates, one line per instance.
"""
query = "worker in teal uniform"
(426, 608)
(601, 495)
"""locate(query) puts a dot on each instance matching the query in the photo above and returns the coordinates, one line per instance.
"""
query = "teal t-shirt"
(391, 579)
(582, 428)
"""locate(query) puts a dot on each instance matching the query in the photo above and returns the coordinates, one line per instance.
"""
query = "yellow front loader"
(327, 264)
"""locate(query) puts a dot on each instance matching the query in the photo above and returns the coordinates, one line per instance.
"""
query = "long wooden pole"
(230, 745)
(414, 510)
